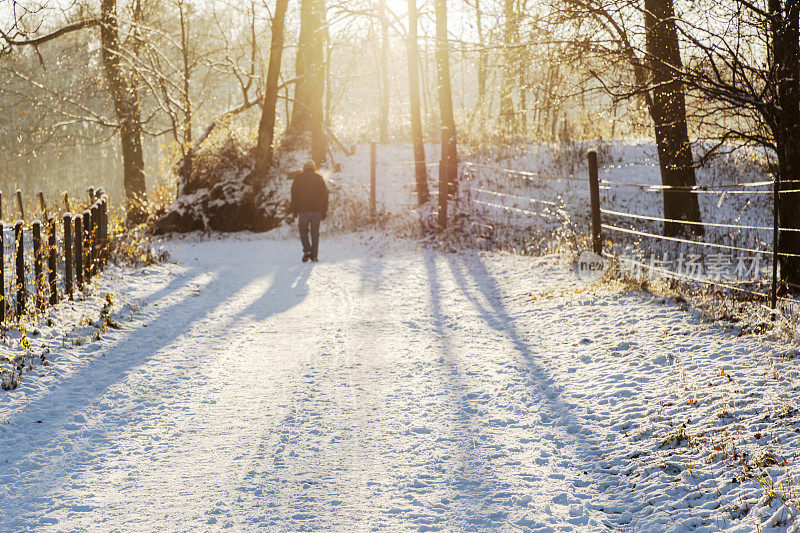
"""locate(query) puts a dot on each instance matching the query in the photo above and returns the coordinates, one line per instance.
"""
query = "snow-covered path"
(387, 387)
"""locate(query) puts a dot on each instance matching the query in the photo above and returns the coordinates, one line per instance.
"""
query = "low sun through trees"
(166, 77)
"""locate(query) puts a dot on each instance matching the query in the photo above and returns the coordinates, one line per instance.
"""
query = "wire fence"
(622, 230)
(517, 193)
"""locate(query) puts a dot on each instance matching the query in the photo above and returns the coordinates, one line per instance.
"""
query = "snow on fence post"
(373, 163)
(68, 255)
(594, 198)
(19, 246)
(95, 238)
(87, 246)
(52, 252)
(79, 251)
(38, 284)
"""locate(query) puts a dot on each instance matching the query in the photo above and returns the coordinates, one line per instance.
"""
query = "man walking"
(310, 204)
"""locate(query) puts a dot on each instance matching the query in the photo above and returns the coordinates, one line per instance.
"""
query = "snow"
(394, 386)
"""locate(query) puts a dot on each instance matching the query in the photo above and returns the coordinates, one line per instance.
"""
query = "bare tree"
(668, 111)
(127, 104)
(747, 81)
(656, 77)
(383, 66)
(448, 170)
(420, 169)
(507, 116)
(310, 71)
(266, 127)
(123, 85)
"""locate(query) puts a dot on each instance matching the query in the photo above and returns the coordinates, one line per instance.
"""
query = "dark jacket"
(309, 193)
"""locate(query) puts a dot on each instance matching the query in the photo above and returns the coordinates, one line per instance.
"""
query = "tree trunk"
(186, 150)
(521, 59)
(384, 71)
(507, 84)
(127, 106)
(785, 47)
(326, 115)
(420, 169)
(310, 71)
(668, 112)
(483, 59)
(448, 126)
(266, 126)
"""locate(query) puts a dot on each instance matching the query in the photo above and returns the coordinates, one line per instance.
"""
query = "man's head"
(309, 166)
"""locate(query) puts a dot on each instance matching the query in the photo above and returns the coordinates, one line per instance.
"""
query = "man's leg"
(316, 217)
(303, 221)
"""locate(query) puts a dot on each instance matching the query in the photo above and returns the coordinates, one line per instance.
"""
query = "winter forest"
(441, 265)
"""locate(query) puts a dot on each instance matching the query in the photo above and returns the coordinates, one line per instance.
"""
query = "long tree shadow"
(229, 284)
(481, 482)
(289, 288)
(83, 388)
(473, 275)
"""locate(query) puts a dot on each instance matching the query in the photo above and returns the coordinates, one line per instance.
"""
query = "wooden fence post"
(95, 255)
(42, 206)
(443, 193)
(3, 302)
(68, 255)
(20, 205)
(87, 245)
(19, 244)
(775, 240)
(104, 230)
(594, 199)
(52, 254)
(1, 205)
(79, 251)
(67, 208)
(373, 163)
(37, 264)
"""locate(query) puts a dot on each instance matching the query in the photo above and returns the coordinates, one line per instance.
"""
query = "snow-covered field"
(394, 386)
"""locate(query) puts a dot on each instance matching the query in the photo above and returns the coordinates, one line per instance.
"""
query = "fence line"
(88, 245)
(598, 225)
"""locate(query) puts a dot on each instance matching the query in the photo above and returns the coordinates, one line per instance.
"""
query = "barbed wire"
(527, 173)
(515, 209)
(694, 223)
(524, 198)
(701, 189)
(699, 243)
